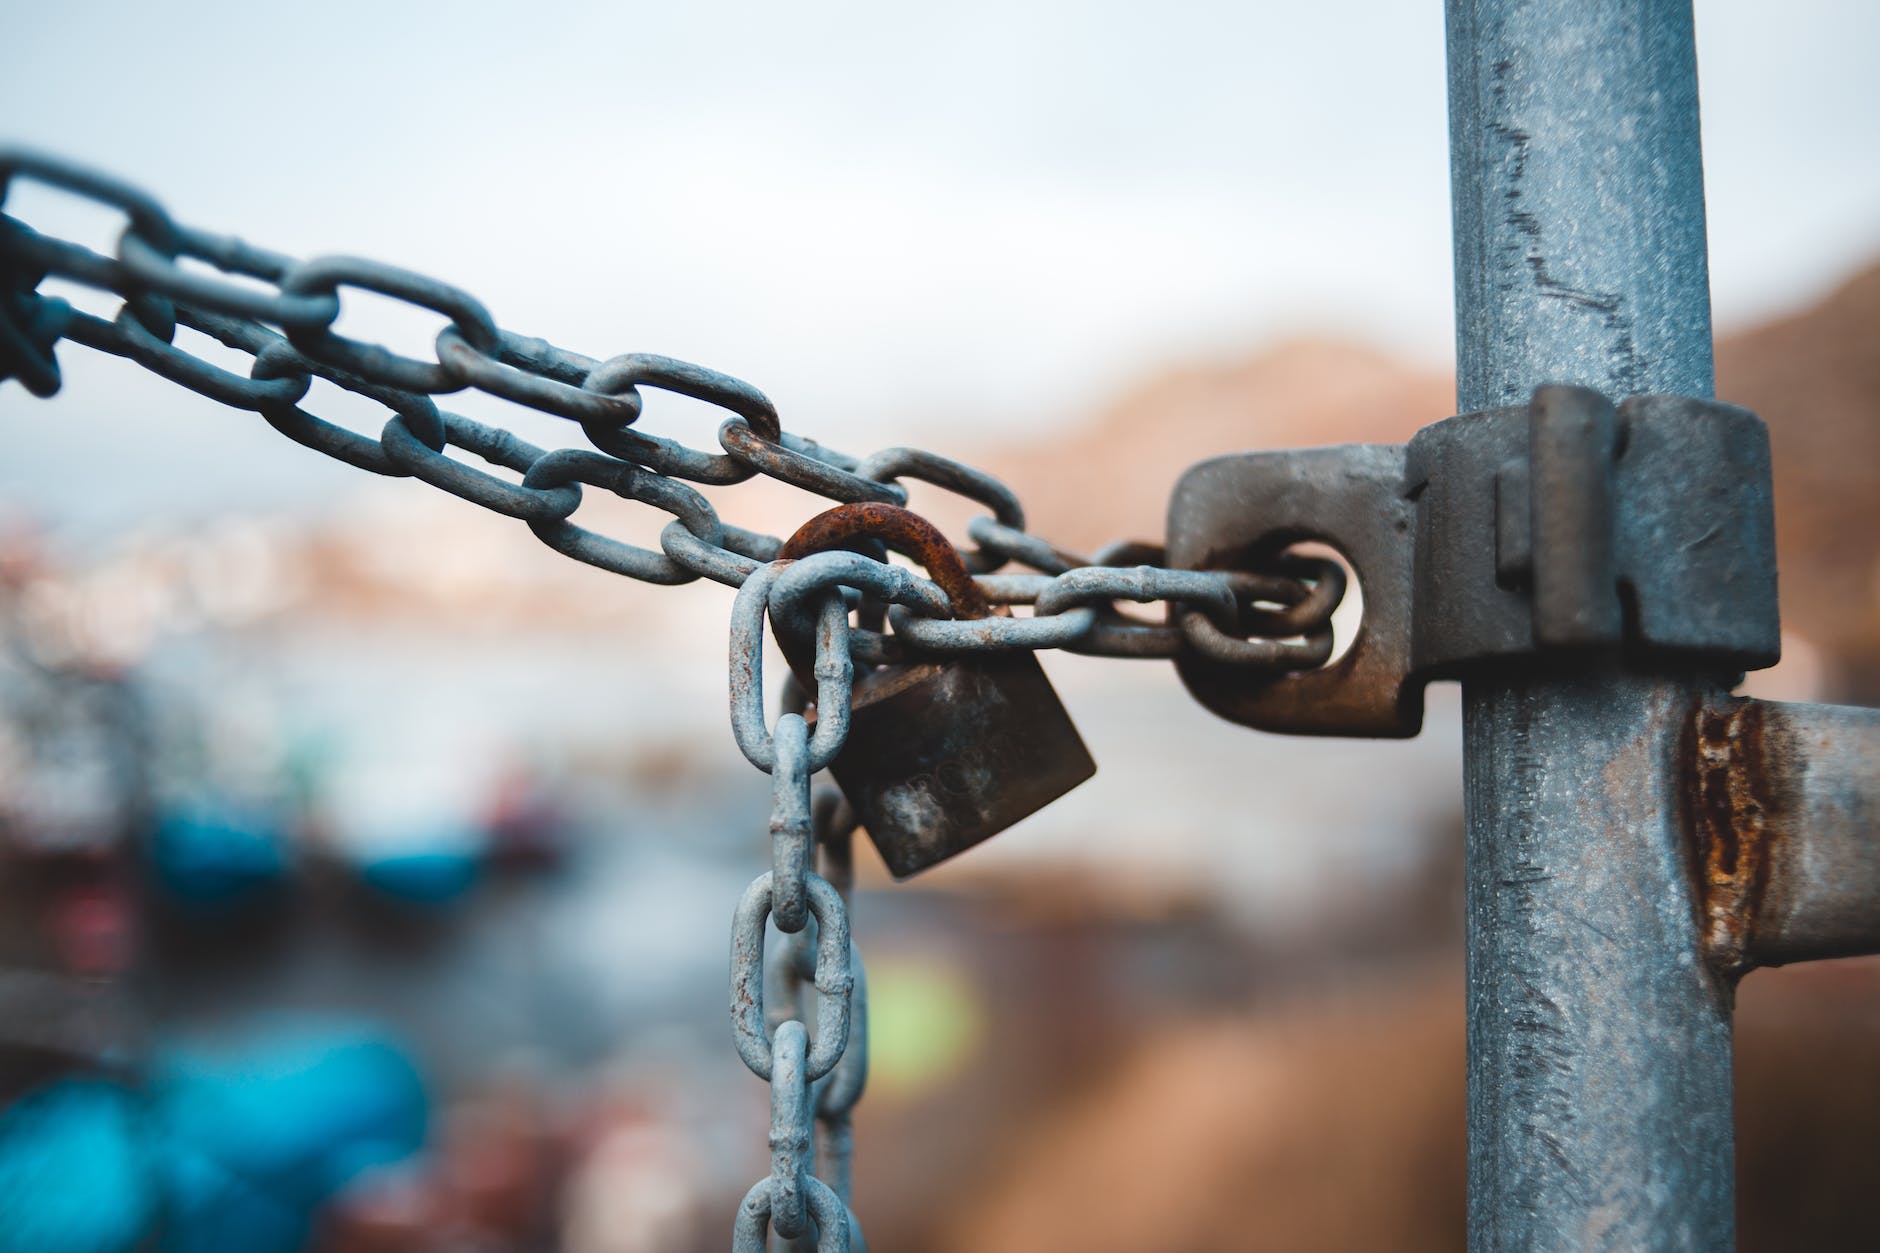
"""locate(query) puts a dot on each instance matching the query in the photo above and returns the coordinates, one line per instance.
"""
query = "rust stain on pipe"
(1732, 836)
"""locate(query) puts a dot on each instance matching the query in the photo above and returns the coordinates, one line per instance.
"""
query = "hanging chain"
(282, 313)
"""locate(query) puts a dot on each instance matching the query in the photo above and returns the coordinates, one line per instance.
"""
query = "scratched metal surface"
(1599, 1041)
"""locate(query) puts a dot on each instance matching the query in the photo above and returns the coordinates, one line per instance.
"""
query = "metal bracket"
(1564, 524)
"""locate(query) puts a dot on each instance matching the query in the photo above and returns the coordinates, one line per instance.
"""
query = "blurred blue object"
(432, 877)
(75, 1176)
(211, 858)
(257, 1138)
(235, 1149)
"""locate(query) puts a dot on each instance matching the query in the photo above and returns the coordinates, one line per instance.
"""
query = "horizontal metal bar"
(1785, 826)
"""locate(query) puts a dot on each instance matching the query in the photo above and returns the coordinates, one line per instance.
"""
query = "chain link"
(835, 826)
(282, 316)
(835, 1095)
(288, 333)
(803, 1069)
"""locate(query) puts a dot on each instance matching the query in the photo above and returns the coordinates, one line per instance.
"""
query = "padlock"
(941, 755)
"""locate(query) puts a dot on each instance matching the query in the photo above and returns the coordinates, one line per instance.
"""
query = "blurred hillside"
(1338, 1123)
(1814, 376)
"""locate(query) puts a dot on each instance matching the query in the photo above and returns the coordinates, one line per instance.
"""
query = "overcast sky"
(890, 217)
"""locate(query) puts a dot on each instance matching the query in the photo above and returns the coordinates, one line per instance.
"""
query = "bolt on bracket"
(1567, 524)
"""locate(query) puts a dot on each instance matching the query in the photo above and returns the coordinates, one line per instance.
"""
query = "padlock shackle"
(902, 530)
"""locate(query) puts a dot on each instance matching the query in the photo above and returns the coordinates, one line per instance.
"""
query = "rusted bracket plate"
(1567, 523)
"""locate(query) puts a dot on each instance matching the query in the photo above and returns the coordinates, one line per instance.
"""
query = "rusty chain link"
(282, 316)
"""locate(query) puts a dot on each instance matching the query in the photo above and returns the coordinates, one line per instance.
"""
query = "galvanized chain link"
(813, 1077)
(836, 1093)
(833, 1097)
(282, 315)
(285, 326)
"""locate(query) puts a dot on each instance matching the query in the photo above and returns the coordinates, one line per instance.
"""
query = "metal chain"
(1280, 622)
(282, 316)
(814, 1076)
(833, 1097)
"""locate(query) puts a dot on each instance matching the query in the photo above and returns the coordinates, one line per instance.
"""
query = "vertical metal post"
(1599, 1036)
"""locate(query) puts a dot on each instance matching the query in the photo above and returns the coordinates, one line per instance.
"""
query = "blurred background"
(365, 867)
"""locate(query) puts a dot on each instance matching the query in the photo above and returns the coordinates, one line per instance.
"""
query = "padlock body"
(941, 756)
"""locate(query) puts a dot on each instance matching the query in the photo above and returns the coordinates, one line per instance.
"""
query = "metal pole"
(1599, 1036)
